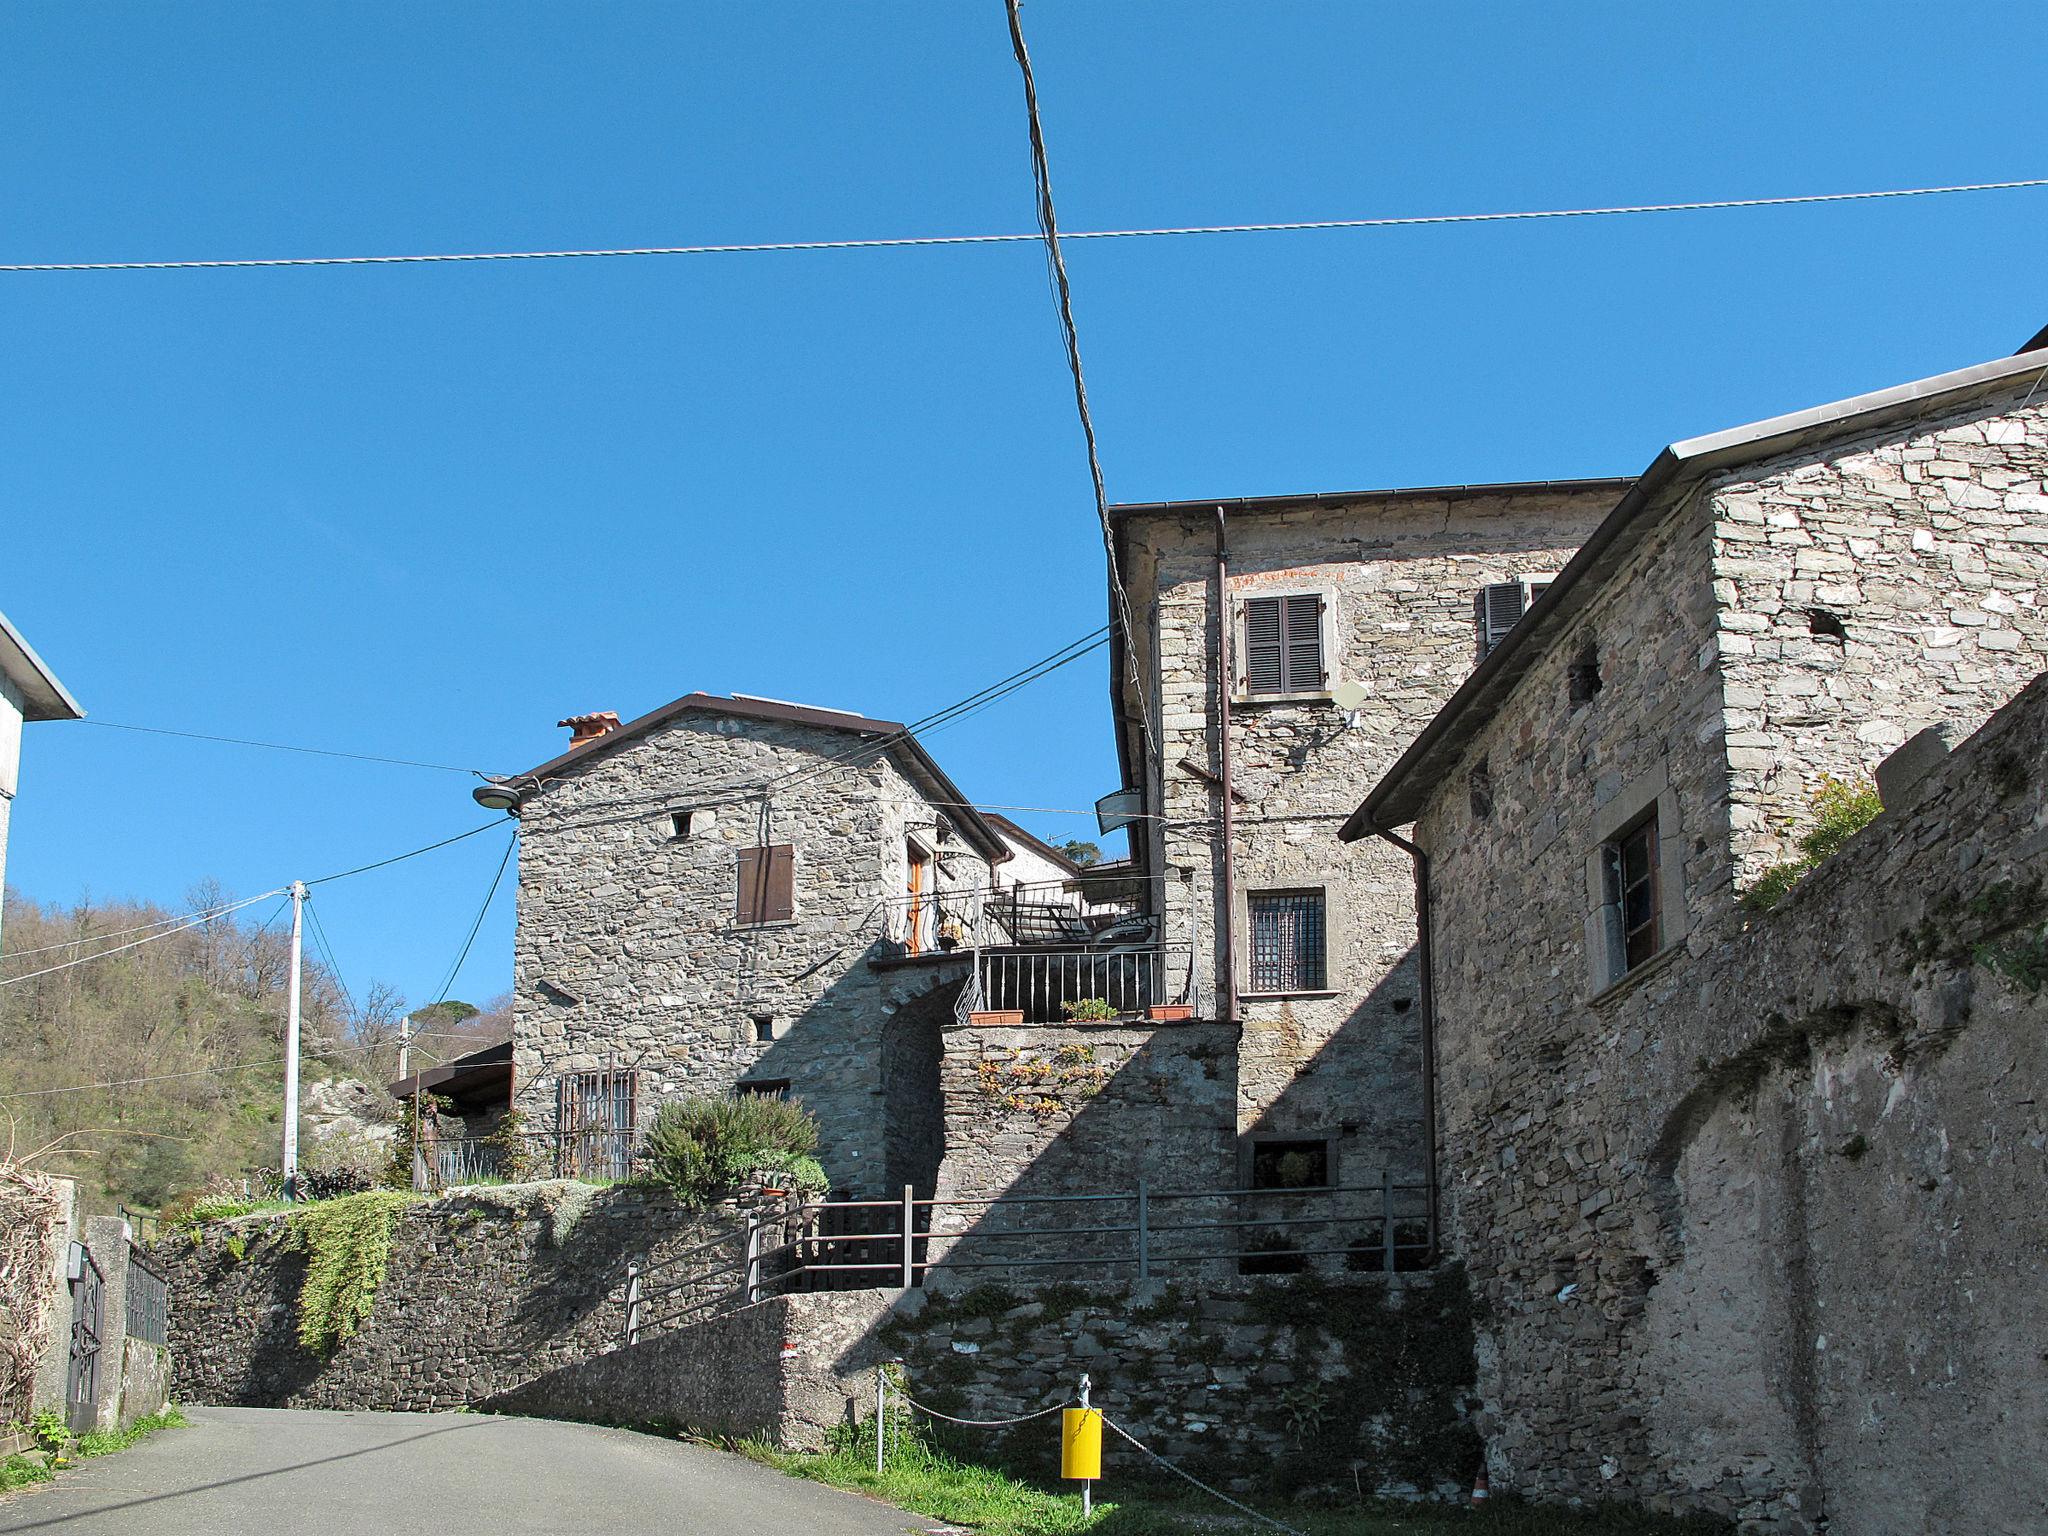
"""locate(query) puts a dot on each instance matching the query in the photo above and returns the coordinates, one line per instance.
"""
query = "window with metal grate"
(1287, 941)
(1283, 645)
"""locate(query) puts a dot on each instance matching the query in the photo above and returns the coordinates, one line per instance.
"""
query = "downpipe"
(1425, 965)
(1227, 928)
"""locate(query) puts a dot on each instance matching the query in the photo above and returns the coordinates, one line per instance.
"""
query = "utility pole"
(291, 1047)
(404, 1044)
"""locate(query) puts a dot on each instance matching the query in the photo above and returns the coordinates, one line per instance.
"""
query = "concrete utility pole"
(404, 1045)
(291, 1048)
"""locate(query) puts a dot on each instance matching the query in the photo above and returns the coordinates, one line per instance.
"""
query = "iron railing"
(149, 1304)
(1376, 1228)
(1052, 986)
(1057, 913)
(587, 1152)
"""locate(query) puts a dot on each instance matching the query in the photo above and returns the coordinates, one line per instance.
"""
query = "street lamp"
(497, 795)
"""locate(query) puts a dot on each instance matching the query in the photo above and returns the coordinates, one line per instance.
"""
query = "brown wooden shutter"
(767, 884)
(1304, 624)
(1496, 609)
(1265, 667)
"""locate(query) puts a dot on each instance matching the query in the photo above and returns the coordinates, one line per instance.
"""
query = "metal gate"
(82, 1382)
(595, 1114)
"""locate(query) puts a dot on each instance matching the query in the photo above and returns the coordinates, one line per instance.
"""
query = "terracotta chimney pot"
(590, 727)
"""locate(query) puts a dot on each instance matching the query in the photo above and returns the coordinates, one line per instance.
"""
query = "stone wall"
(1276, 1386)
(787, 1370)
(1757, 1230)
(628, 951)
(1927, 549)
(1399, 576)
(487, 1288)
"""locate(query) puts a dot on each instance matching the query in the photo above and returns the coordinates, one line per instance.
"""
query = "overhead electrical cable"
(911, 242)
(327, 952)
(120, 933)
(455, 970)
(132, 1082)
(1048, 226)
(281, 746)
(399, 858)
(51, 970)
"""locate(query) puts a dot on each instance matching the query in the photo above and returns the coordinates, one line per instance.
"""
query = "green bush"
(1086, 1010)
(1841, 808)
(705, 1148)
(348, 1252)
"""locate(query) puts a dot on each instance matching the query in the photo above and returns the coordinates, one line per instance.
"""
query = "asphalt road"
(267, 1470)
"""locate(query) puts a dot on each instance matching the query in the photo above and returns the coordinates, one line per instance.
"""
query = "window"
(767, 885)
(1497, 608)
(1291, 1164)
(764, 1026)
(1632, 893)
(1287, 941)
(679, 822)
(1283, 645)
(762, 1088)
(594, 1119)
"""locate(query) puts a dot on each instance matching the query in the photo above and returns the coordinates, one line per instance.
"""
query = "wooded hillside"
(188, 1028)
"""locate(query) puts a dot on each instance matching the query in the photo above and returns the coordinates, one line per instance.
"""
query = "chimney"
(590, 727)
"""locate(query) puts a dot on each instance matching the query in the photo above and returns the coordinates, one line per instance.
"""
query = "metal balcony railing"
(1051, 914)
(1054, 986)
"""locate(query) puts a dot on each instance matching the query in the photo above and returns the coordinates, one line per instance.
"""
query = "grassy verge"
(20, 1471)
(929, 1482)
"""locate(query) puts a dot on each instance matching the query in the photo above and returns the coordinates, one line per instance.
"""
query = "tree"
(1081, 853)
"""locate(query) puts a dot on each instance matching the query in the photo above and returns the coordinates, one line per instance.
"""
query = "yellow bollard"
(1081, 1444)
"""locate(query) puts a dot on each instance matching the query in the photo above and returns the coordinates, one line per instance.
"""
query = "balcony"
(1046, 951)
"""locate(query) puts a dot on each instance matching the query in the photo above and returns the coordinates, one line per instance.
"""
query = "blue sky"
(427, 511)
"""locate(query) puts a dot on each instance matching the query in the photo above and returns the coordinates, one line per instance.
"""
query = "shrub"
(348, 1252)
(705, 1148)
(1086, 1010)
(1842, 808)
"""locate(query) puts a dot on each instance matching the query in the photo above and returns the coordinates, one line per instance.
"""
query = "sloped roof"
(909, 751)
(1399, 796)
(44, 697)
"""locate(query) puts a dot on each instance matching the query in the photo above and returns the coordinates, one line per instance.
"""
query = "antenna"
(1350, 696)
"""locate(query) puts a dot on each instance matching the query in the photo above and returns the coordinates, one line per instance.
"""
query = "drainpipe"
(1227, 927)
(1425, 964)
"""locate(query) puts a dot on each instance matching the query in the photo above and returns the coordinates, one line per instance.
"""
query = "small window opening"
(762, 1088)
(1291, 1164)
(1403, 1004)
(764, 1026)
(1582, 677)
(679, 825)
(1481, 786)
(1826, 626)
(1633, 896)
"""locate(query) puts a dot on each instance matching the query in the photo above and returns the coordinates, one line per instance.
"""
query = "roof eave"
(43, 696)
(1398, 798)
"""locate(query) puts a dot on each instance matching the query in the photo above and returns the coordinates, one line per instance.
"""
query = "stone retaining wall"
(487, 1289)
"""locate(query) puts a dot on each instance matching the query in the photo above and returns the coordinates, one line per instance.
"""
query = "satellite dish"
(1349, 695)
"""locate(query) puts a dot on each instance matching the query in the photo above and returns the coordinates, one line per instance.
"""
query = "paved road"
(369, 1474)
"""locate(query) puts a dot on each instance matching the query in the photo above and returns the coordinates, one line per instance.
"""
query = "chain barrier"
(1245, 1509)
(884, 1391)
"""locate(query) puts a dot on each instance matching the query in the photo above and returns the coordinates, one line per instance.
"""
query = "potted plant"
(952, 934)
(1087, 1010)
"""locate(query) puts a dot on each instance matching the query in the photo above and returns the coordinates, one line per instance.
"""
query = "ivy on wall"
(347, 1243)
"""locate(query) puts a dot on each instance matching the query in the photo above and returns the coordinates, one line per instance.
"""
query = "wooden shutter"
(1283, 645)
(767, 884)
(1495, 610)
(1265, 667)
(1303, 618)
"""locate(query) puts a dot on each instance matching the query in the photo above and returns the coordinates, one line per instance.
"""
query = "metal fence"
(1046, 985)
(149, 1304)
(1056, 913)
(587, 1152)
(1377, 1228)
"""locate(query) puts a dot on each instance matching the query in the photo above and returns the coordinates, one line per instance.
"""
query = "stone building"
(1287, 648)
(1751, 1200)
(29, 690)
(742, 895)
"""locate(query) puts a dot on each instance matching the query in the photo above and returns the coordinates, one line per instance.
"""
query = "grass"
(919, 1478)
(20, 1471)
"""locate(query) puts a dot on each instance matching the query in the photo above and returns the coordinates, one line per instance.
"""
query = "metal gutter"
(1227, 926)
(1291, 501)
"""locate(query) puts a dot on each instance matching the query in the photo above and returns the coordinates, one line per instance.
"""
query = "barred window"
(1287, 941)
(1633, 896)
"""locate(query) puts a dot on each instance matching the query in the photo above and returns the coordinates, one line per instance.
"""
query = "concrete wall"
(1399, 577)
(486, 1289)
(1755, 1231)
(628, 951)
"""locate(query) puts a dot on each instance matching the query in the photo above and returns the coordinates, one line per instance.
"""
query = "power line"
(456, 969)
(1049, 230)
(398, 858)
(907, 242)
(327, 952)
(121, 933)
(133, 1082)
(281, 746)
(51, 970)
